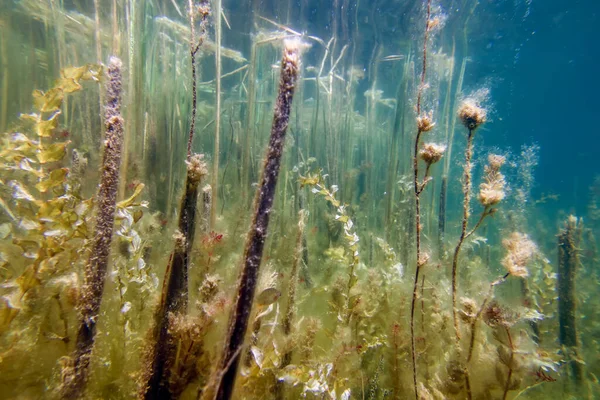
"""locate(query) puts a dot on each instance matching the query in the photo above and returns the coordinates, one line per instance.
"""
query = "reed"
(242, 303)
(568, 265)
(424, 124)
(174, 299)
(76, 376)
(215, 172)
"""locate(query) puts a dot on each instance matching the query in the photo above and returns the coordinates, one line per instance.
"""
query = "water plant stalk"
(465, 221)
(418, 188)
(174, 299)
(95, 272)
(568, 262)
(215, 172)
(242, 303)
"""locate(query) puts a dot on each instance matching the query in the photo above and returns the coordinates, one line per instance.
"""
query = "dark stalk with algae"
(76, 376)
(242, 303)
(174, 299)
(568, 263)
(424, 124)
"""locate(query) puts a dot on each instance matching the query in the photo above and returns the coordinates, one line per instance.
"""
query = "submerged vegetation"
(388, 252)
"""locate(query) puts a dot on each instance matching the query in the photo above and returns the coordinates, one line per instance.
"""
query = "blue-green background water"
(539, 59)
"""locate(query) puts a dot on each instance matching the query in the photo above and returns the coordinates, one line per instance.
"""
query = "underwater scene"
(288, 199)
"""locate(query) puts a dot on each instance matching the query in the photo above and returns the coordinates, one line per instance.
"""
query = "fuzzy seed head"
(425, 122)
(471, 114)
(520, 250)
(196, 168)
(495, 315)
(432, 152)
(491, 191)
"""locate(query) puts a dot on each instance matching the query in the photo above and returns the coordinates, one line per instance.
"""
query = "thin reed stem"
(418, 189)
(465, 221)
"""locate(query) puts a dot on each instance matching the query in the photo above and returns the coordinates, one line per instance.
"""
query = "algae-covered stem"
(215, 172)
(95, 273)
(465, 220)
(568, 263)
(418, 189)
(174, 299)
(242, 304)
(195, 44)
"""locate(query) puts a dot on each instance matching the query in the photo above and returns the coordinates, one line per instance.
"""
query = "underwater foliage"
(389, 252)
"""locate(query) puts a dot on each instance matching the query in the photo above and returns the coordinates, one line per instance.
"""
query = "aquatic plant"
(75, 377)
(472, 115)
(256, 236)
(569, 240)
(430, 154)
(174, 300)
(357, 191)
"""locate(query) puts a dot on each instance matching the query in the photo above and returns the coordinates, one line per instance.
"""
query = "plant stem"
(465, 221)
(418, 189)
(215, 172)
(95, 272)
(242, 304)
(510, 367)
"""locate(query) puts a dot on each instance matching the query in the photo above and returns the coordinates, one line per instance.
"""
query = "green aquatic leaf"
(49, 101)
(28, 279)
(54, 178)
(52, 153)
(7, 314)
(268, 296)
(137, 215)
(68, 85)
(19, 192)
(129, 201)
(44, 128)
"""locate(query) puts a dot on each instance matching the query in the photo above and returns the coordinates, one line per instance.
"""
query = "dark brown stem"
(568, 262)
(442, 217)
(418, 189)
(195, 45)
(95, 272)
(174, 298)
(242, 303)
(510, 366)
(465, 221)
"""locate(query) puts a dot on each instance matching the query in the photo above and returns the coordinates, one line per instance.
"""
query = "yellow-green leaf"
(52, 153)
(44, 128)
(92, 72)
(136, 192)
(53, 179)
(74, 73)
(49, 101)
(137, 215)
(28, 279)
(7, 314)
(68, 85)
